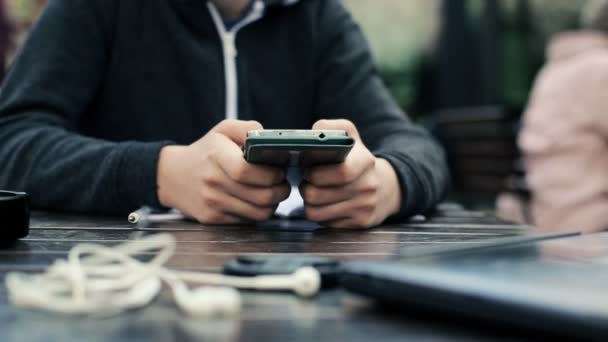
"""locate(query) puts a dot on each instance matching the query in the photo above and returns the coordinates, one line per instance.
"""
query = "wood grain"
(333, 316)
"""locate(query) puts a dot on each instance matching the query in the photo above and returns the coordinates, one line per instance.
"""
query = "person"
(104, 109)
(564, 133)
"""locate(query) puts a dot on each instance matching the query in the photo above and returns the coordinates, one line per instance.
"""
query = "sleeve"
(348, 86)
(52, 82)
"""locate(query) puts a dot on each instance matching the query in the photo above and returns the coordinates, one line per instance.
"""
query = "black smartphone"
(297, 148)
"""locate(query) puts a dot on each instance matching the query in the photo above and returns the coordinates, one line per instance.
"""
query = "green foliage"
(400, 32)
(23, 11)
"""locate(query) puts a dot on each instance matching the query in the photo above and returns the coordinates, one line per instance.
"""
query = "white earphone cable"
(96, 279)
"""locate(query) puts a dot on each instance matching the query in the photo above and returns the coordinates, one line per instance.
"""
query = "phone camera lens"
(322, 136)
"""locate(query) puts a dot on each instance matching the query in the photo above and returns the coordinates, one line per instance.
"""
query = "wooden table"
(333, 316)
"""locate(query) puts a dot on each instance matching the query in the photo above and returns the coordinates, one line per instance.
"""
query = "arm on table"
(47, 90)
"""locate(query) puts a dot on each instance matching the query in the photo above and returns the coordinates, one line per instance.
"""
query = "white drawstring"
(230, 52)
(96, 279)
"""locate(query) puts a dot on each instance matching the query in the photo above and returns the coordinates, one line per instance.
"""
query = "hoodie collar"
(196, 15)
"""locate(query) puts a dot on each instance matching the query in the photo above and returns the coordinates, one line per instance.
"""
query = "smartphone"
(297, 148)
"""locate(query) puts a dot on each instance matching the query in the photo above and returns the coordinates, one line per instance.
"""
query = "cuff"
(409, 183)
(136, 177)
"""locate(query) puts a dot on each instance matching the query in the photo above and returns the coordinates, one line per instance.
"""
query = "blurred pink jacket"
(564, 138)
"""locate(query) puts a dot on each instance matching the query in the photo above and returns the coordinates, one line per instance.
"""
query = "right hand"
(211, 182)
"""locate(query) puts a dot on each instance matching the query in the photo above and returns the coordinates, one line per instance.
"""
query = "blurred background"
(464, 68)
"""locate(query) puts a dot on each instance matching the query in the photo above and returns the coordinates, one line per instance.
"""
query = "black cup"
(14, 216)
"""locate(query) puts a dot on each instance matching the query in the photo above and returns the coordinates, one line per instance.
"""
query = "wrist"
(390, 188)
(169, 155)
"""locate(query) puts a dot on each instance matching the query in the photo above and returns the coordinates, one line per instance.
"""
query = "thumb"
(341, 124)
(236, 130)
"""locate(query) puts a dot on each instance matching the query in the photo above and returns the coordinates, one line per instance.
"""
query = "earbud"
(207, 301)
(305, 282)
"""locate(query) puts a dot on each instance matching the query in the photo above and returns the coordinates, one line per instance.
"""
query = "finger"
(340, 124)
(211, 216)
(318, 196)
(260, 196)
(361, 207)
(233, 164)
(220, 218)
(228, 204)
(236, 130)
(359, 161)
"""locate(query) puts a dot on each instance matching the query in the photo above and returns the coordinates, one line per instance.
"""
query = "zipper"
(230, 52)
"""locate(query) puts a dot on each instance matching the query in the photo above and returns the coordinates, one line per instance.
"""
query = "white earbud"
(207, 301)
(305, 282)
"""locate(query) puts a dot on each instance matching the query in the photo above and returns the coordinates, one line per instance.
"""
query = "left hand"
(361, 192)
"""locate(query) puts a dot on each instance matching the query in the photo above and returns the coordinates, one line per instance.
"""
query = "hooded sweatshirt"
(101, 86)
(564, 135)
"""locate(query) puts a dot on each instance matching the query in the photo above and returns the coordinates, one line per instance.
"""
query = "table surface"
(334, 315)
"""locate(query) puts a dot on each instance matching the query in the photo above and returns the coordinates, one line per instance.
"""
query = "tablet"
(553, 283)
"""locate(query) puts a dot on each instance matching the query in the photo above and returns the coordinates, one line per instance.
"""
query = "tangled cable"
(96, 279)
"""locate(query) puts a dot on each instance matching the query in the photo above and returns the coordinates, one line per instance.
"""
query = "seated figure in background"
(564, 139)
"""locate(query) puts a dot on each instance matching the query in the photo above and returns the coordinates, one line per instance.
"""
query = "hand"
(359, 193)
(211, 182)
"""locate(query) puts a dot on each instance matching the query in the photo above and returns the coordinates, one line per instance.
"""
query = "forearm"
(421, 168)
(66, 171)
